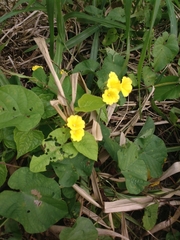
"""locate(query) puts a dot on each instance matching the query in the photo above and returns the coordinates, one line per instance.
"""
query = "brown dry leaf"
(96, 131)
(129, 204)
(94, 216)
(85, 195)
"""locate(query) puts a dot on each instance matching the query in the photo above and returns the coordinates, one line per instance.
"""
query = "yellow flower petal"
(113, 81)
(34, 68)
(126, 86)
(77, 135)
(75, 122)
(110, 96)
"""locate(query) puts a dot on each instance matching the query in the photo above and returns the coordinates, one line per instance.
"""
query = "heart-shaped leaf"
(38, 203)
(27, 141)
(133, 168)
(19, 107)
(164, 51)
(83, 229)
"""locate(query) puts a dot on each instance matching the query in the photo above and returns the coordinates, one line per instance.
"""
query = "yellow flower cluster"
(114, 87)
(77, 125)
(34, 68)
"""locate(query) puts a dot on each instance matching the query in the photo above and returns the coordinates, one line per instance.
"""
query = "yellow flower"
(110, 96)
(75, 122)
(34, 68)
(126, 86)
(62, 71)
(77, 135)
(113, 81)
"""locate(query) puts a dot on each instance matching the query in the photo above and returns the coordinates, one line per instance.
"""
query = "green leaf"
(87, 146)
(3, 173)
(19, 107)
(27, 141)
(117, 14)
(88, 103)
(69, 170)
(83, 229)
(149, 76)
(133, 168)
(113, 62)
(86, 66)
(39, 77)
(167, 88)
(150, 216)
(110, 37)
(7, 136)
(164, 51)
(148, 129)
(173, 236)
(37, 205)
(110, 145)
(45, 96)
(55, 148)
(153, 152)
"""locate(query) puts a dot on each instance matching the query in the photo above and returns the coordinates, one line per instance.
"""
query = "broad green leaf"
(45, 95)
(86, 66)
(173, 236)
(164, 50)
(87, 146)
(39, 77)
(7, 137)
(110, 145)
(149, 76)
(19, 107)
(150, 216)
(37, 205)
(148, 129)
(55, 148)
(88, 103)
(83, 229)
(3, 173)
(113, 62)
(133, 168)
(110, 37)
(153, 152)
(167, 88)
(117, 14)
(27, 141)
(69, 170)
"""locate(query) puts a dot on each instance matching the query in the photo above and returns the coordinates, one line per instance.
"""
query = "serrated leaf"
(83, 229)
(167, 88)
(19, 107)
(117, 14)
(86, 66)
(38, 203)
(148, 129)
(27, 141)
(55, 148)
(88, 103)
(164, 51)
(3, 173)
(87, 146)
(150, 216)
(133, 168)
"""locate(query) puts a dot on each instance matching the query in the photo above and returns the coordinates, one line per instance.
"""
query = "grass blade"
(172, 18)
